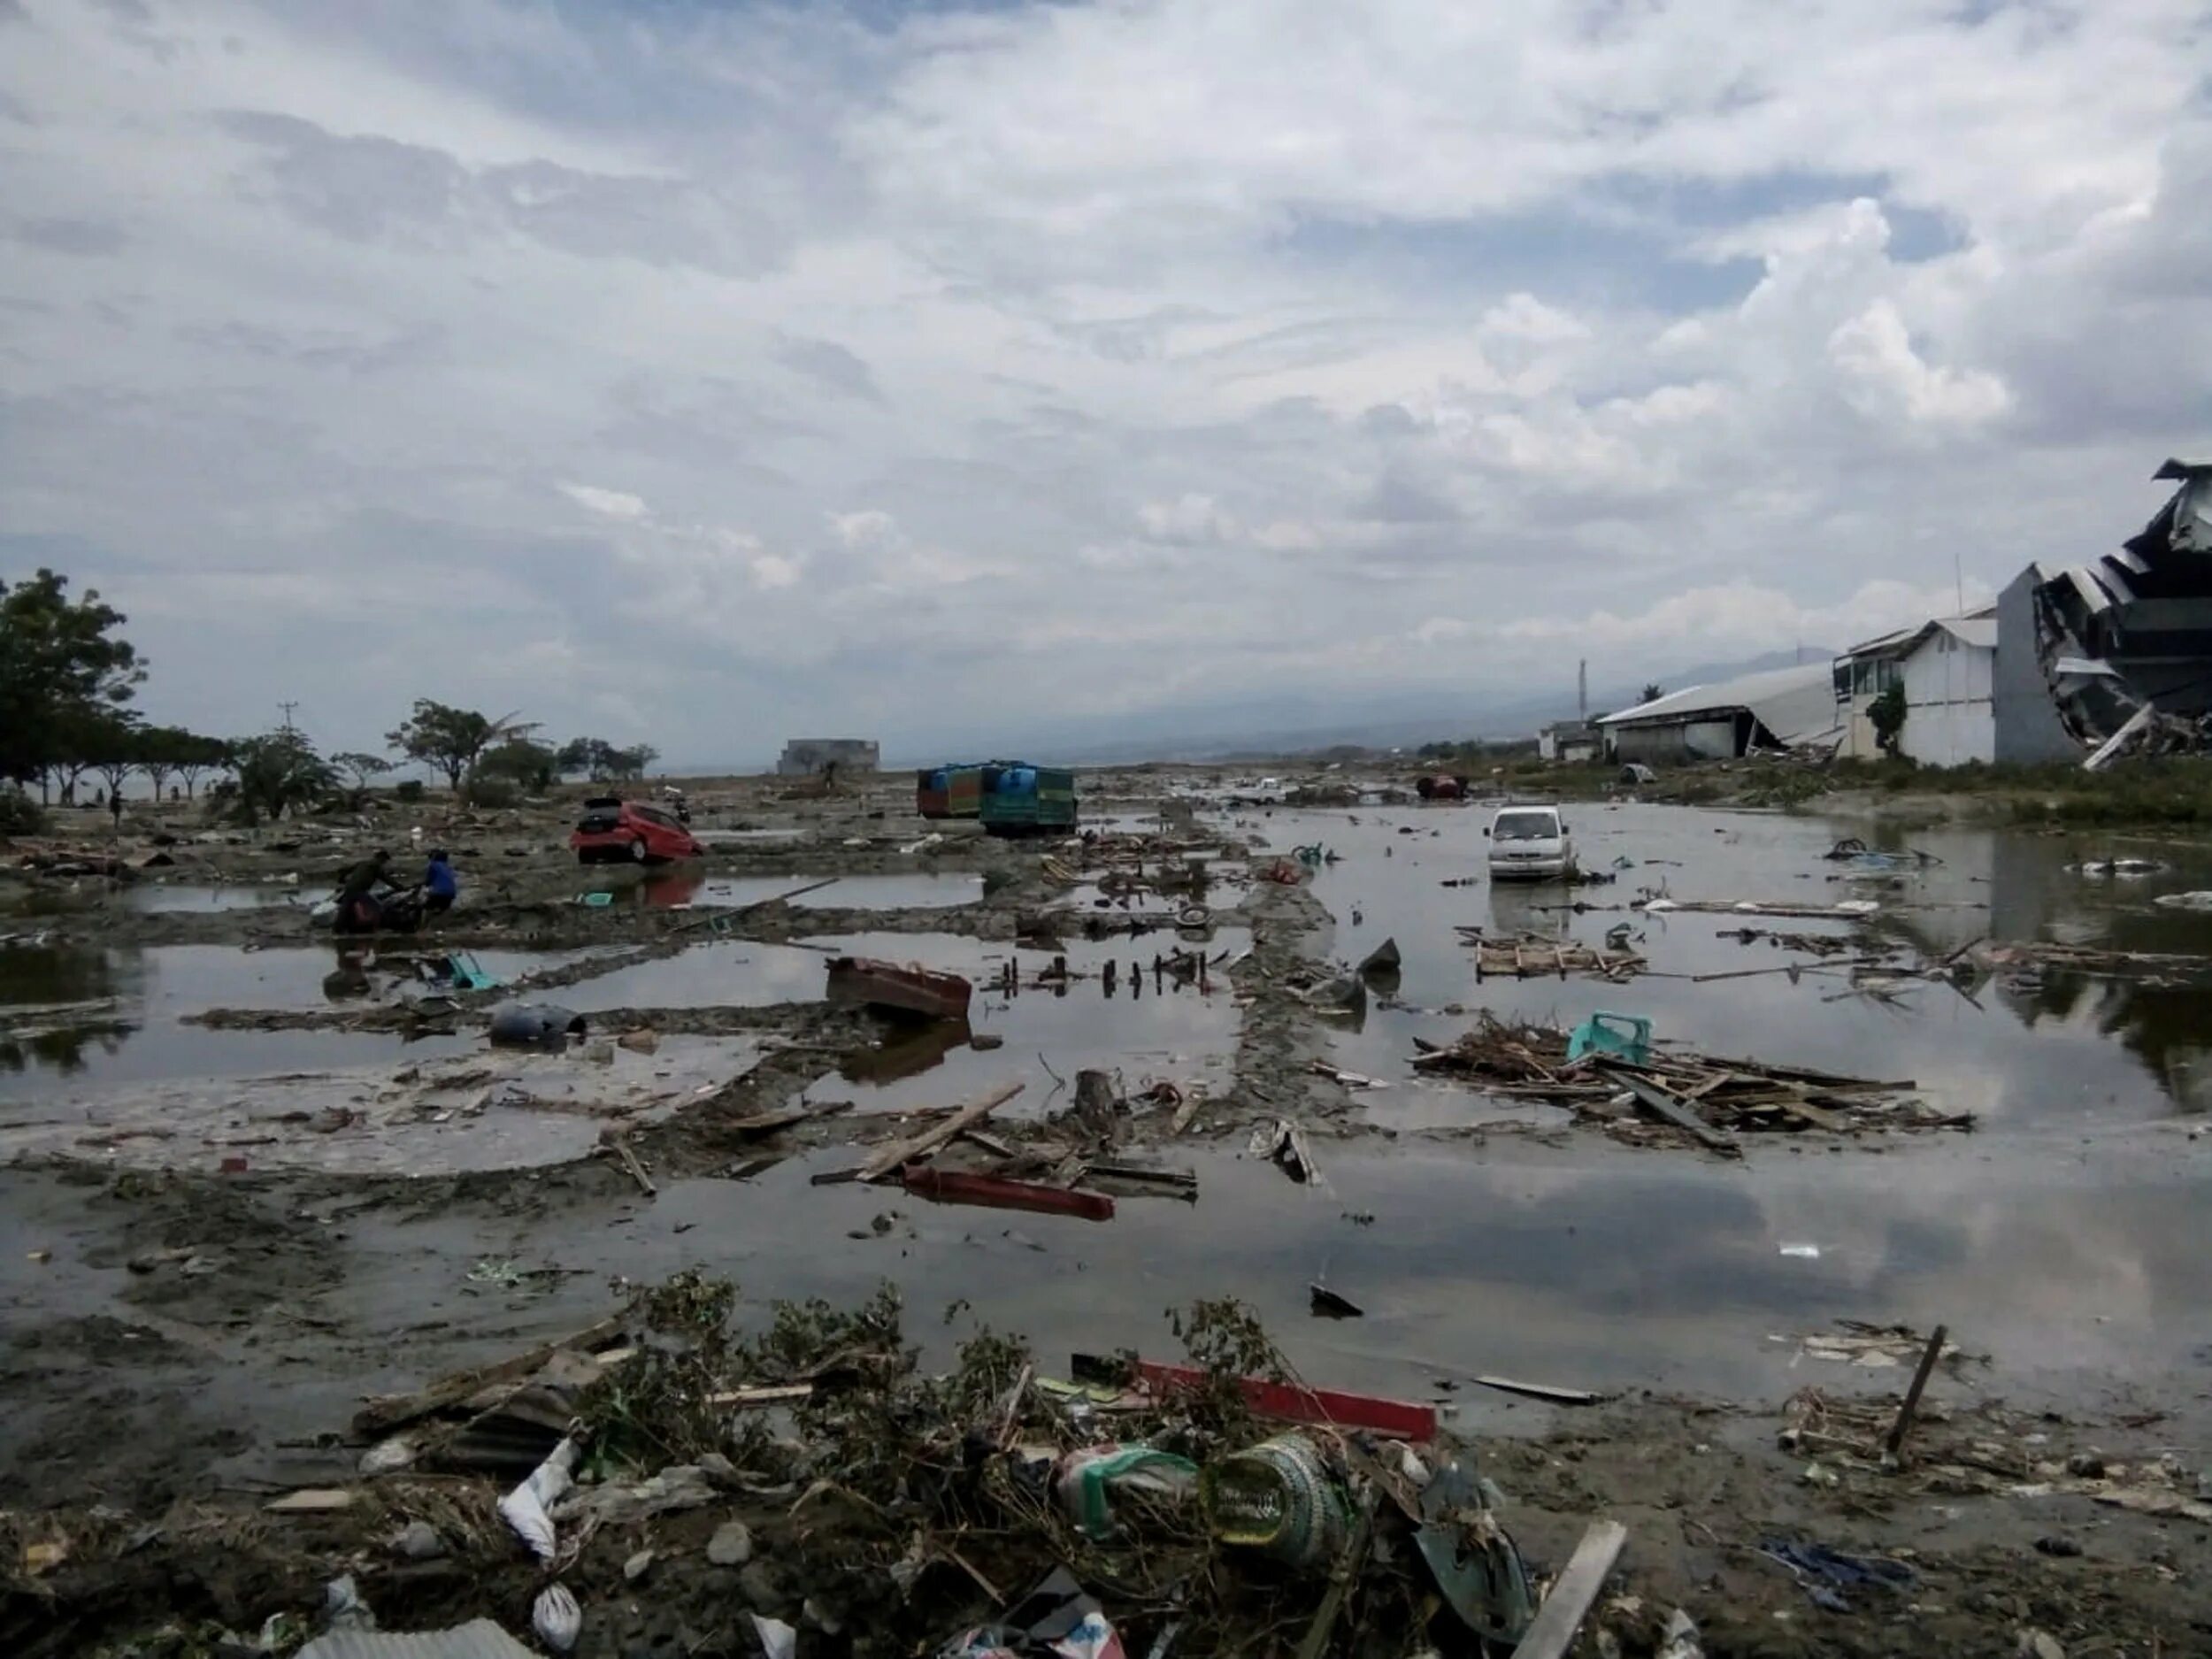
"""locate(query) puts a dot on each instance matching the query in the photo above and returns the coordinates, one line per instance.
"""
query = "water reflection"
(2025, 1046)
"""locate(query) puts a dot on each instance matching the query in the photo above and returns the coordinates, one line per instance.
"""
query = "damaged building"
(1782, 708)
(2115, 653)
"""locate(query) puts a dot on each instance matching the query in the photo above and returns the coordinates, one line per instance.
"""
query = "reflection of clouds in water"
(1987, 883)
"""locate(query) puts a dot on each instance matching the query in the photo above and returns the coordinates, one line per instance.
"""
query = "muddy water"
(2069, 1050)
(169, 898)
(685, 886)
(132, 1033)
(1162, 1029)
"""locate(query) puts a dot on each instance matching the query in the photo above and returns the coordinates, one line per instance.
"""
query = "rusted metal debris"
(905, 987)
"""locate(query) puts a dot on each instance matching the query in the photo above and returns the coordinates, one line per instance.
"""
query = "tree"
(194, 754)
(110, 745)
(61, 662)
(279, 772)
(523, 762)
(453, 739)
(164, 749)
(361, 768)
(1887, 715)
(602, 762)
(1653, 692)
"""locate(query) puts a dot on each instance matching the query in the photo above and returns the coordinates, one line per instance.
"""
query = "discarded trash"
(525, 1508)
(1476, 1565)
(778, 1639)
(1285, 1142)
(2198, 901)
(1328, 1304)
(1833, 1572)
(1055, 1618)
(479, 1638)
(904, 988)
(1624, 1036)
(1382, 963)
(1682, 1639)
(556, 1618)
(1279, 1496)
(1089, 1484)
(959, 1186)
(535, 1025)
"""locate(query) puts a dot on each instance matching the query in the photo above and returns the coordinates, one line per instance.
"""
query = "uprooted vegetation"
(808, 1471)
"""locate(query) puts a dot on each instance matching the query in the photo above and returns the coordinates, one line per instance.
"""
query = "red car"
(615, 831)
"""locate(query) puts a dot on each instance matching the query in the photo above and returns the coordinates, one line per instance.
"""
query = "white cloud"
(793, 363)
(608, 504)
(1875, 352)
(773, 570)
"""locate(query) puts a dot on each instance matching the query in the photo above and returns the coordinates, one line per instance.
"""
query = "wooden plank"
(1541, 1391)
(755, 1398)
(1664, 1107)
(1552, 1632)
(993, 1192)
(902, 1153)
(1816, 1115)
(382, 1414)
(1903, 1425)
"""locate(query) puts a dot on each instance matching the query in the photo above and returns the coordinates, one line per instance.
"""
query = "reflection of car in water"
(613, 830)
(1529, 843)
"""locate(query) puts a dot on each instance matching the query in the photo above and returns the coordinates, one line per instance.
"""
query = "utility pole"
(1582, 689)
(288, 707)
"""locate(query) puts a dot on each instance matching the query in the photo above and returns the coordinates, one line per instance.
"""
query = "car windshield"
(1525, 826)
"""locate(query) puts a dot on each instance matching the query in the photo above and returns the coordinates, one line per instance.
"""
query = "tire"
(637, 850)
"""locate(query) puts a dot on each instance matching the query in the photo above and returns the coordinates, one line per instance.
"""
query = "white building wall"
(1950, 716)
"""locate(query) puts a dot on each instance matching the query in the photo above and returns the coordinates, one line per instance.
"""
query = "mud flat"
(250, 1182)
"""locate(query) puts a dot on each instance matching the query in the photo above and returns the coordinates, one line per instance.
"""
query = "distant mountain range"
(1303, 722)
(1294, 723)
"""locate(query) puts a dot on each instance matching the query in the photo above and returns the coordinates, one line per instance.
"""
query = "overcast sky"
(708, 374)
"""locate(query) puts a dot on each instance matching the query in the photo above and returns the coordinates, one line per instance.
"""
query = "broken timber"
(904, 1152)
(1552, 1632)
(1666, 1108)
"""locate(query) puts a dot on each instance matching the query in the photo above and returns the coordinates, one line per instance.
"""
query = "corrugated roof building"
(1782, 708)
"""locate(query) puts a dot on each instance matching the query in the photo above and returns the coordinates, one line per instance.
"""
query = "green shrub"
(408, 791)
(19, 815)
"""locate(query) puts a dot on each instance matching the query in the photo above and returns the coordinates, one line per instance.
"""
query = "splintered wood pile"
(1530, 954)
(1706, 1098)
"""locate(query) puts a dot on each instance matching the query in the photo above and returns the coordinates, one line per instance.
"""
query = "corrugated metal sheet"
(1796, 705)
(1978, 632)
(479, 1638)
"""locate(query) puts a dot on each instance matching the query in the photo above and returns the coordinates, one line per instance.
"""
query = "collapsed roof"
(1793, 706)
(2132, 630)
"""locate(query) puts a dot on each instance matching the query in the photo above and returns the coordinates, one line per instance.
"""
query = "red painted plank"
(959, 1186)
(1290, 1403)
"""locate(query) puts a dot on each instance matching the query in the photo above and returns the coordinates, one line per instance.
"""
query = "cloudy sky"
(707, 372)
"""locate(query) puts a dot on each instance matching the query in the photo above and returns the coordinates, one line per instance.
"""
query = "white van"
(1529, 843)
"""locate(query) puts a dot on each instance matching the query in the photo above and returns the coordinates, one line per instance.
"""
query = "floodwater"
(168, 898)
(1164, 1029)
(130, 1030)
(2067, 1050)
(683, 887)
(2062, 1239)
